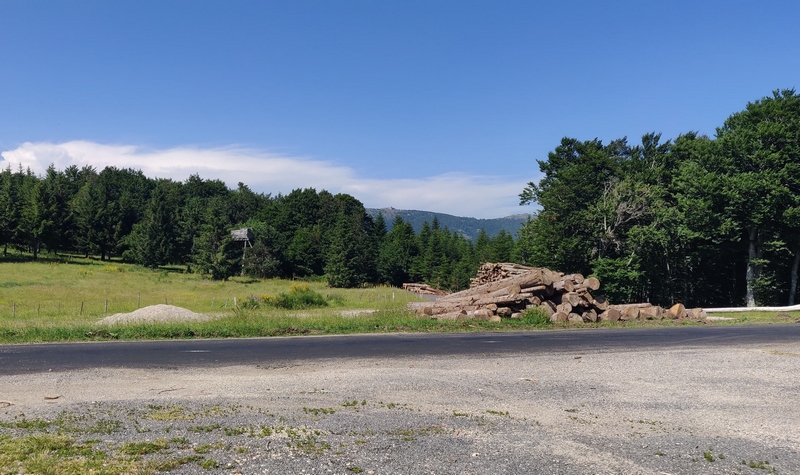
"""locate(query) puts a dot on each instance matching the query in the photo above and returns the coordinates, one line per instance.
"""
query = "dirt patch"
(155, 314)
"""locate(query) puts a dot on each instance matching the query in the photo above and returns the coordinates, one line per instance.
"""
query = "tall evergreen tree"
(154, 240)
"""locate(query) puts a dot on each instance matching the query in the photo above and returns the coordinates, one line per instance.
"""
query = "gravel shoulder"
(650, 412)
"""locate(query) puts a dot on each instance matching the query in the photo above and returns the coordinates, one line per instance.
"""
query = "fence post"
(105, 310)
(138, 299)
(13, 309)
(81, 313)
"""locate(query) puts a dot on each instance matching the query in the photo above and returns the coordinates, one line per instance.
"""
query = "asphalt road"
(59, 357)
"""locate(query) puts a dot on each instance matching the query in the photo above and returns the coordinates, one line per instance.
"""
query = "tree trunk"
(795, 265)
(752, 268)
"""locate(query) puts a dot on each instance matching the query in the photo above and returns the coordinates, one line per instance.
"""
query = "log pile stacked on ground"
(502, 290)
(493, 272)
(423, 289)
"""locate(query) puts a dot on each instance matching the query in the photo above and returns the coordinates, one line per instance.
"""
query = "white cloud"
(454, 193)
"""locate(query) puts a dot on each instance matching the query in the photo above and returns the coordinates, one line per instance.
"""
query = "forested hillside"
(465, 226)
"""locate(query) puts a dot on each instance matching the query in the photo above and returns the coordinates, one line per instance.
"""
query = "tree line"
(121, 213)
(700, 220)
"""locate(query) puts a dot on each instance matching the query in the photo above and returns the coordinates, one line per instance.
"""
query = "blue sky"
(436, 105)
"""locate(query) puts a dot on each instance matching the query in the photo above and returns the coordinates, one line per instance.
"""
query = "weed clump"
(298, 297)
(535, 316)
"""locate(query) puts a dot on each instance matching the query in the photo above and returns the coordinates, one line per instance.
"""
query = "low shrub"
(535, 316)
(298, 297)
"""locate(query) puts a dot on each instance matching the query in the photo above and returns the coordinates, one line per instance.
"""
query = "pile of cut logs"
(423, 289)
(502, 290)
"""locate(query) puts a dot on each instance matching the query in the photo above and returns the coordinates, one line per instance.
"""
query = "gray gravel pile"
(160, 313)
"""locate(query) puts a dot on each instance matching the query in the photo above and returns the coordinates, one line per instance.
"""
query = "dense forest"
(696, 220)
(699, 220)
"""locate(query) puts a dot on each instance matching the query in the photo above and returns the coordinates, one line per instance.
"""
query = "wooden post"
(13, 309)
(212, 303)
(38, 308)
(105, 310)
(81, 312)
(244, 251)
(139, 300)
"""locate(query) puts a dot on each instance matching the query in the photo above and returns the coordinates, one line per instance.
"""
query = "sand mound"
(155, 314)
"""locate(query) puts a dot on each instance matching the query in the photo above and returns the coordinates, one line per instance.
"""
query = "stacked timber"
(423, 289)
(506, 290)
(647, 311)
(502, 290)
(493, 272)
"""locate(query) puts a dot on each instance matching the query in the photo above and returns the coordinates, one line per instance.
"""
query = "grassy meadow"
(63, 298)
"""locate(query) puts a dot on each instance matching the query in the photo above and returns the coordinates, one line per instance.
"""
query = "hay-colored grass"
(69, 291)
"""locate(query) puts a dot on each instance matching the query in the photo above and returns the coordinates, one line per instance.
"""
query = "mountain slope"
(467, 227)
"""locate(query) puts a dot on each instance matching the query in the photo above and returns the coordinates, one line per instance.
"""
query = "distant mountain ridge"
(468, 227)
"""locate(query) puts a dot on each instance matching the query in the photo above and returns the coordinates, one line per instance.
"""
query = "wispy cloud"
(453, 193)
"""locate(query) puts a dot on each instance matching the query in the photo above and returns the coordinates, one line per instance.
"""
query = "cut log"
(651, 313)
(535, 300)
(600, 303)
(450, 315)
(546, 290)
(564, 286)
(559, 317)
(504, 311)
(565, 307)
(575, 318)
(482, 314)
(591, 283)
(573, 298)
(504, 300)
(676, 311)
(622, 307)
(630, 313)
(510, 290)
(610, 315)
(589, 316)
(575, 278)
(548, 310)
(698, 314)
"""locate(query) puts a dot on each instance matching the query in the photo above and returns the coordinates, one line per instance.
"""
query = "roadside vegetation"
(63, 299)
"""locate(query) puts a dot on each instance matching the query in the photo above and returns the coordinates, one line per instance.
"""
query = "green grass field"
(62, 299)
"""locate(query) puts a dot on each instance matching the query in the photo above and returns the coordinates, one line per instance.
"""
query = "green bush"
(535, 316)
(300, 296)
